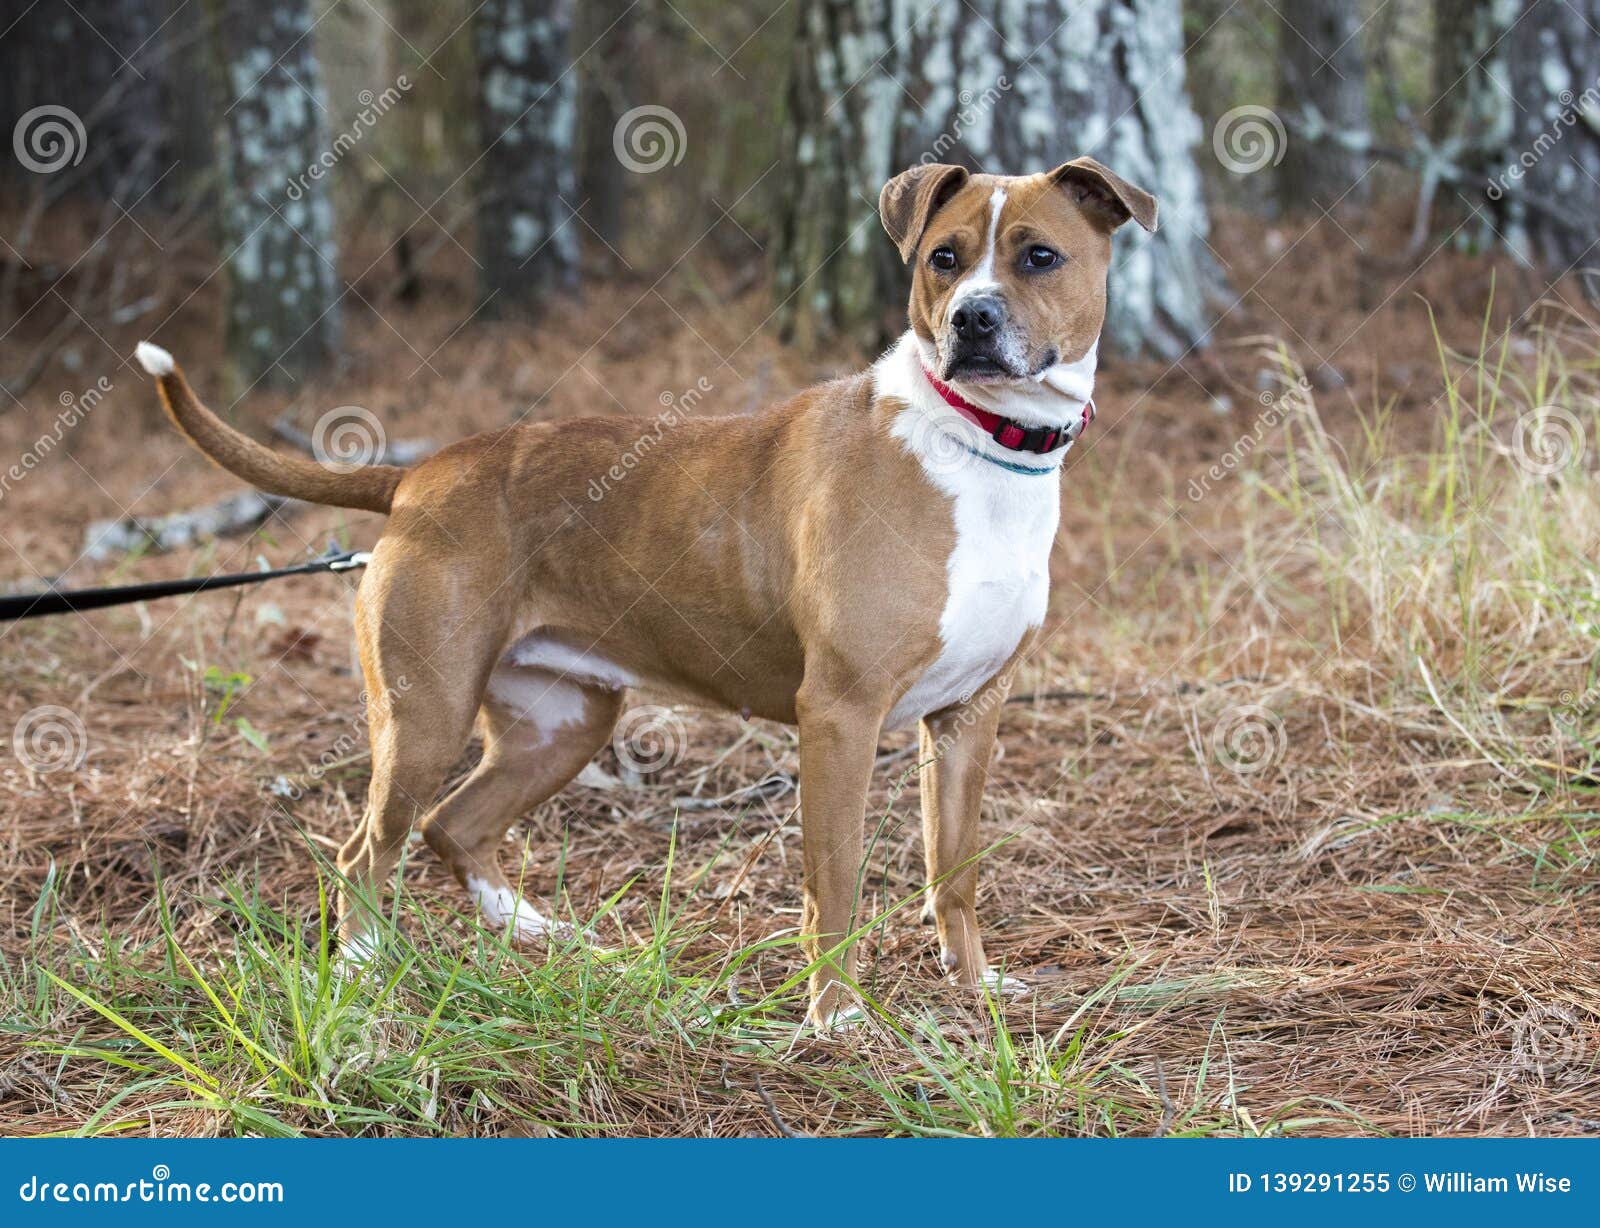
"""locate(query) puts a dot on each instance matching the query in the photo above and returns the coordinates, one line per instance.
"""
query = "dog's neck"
(1054, 397)
(1057, 398)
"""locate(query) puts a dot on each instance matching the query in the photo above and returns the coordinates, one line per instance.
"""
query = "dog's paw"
(356, 952)
(993, 980)
(837, 1011)
(528, 925)
(531, 928)
(998, 983)
(842, 1021)
(504, 910)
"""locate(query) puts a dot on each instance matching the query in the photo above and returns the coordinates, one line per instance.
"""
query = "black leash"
(65, 601)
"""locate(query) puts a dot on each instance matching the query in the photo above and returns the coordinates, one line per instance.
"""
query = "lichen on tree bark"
(277, 224)
(1553, 163)
(528, 243)
(1323, 81)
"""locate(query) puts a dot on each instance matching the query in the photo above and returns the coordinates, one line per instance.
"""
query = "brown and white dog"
(871, 553)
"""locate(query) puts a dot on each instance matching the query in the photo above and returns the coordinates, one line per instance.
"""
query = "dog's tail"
(370, 488)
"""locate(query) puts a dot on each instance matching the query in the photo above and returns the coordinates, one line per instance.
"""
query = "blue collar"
(1005, 464)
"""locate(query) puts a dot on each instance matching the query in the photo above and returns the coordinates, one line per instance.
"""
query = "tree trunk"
(1518, 106)
(281, 271)
(528, 240)
(606, 37)
(994, 86)
(1553, 163)
(835, 272)
(1468, 58)
(1469, 117)
(1323, 86)
(103, 63)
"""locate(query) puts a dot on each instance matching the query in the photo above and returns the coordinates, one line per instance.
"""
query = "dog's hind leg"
(425, 678)
(539, 729)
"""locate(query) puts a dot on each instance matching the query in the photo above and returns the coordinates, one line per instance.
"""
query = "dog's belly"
(586, 661)
(556, 656)
(999, 584)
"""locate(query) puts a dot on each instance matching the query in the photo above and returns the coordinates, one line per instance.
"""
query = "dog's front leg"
(838, 741)
(957, 744)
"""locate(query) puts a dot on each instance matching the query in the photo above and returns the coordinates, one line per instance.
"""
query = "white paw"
(842, 1021)
(528, 924)
(503, 908)
(992, 979)
(531, 926)
(997, 982)
(356, 952)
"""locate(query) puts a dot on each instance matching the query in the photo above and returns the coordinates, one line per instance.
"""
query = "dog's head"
(1008, 272)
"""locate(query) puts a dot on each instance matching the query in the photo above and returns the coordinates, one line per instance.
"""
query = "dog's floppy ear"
(914, 196)
(1105, 194)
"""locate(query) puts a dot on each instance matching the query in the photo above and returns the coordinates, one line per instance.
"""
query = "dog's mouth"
(979, 368)
(987, 367)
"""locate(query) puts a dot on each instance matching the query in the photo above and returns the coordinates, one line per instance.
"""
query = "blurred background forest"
(295, 170)
(1299, 785)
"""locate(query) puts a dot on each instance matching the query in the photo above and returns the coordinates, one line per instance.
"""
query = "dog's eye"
(1040, 257)
(943, 259)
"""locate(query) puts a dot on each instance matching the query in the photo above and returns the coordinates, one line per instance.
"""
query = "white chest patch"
(999, 583)
(998, 574)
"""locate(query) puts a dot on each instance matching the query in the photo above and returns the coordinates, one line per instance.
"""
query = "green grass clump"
(452, 1031)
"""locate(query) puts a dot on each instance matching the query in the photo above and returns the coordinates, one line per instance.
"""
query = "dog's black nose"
(977, 319)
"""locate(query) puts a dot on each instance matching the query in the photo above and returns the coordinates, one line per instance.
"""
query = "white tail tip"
(153, 359)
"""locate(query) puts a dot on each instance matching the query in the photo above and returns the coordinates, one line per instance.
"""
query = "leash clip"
(335, 559)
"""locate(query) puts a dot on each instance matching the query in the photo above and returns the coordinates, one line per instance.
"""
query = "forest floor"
(1292, 822)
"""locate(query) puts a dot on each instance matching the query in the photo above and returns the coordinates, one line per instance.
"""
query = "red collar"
(1005, 432)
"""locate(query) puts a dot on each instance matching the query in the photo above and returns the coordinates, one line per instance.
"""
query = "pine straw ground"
(1292, 822)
